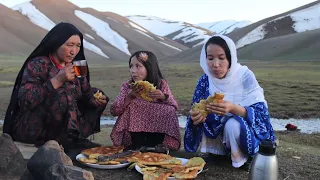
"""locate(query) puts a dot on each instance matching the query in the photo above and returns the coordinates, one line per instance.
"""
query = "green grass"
(291, 87)
(6, 83)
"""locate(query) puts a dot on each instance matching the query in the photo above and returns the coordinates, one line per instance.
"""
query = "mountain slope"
(224, 27)
(297, 46)
(182, 32)
(18, 35)
(47, 14)
(290, 35)
(139, 38)
(106, 35)
(279, 25)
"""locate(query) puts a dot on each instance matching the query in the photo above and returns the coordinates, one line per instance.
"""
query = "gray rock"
(26, 175)
(66, 172)
(47, 155)
(11, 159)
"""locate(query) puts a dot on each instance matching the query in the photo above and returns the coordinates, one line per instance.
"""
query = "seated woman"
(48, 102)
(140, 122)
(237, 124)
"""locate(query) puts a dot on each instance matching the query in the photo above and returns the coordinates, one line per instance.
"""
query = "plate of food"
(162, 166)
(105, 157)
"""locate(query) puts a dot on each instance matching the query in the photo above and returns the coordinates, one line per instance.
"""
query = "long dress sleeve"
(86, 88)
(193, 133)
(255, 127)
(34, 86)
(166, 90)
(118, 106)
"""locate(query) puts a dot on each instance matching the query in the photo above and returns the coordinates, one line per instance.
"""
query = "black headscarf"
(56, 37)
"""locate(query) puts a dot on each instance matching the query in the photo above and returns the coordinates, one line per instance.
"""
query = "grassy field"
(291, 88)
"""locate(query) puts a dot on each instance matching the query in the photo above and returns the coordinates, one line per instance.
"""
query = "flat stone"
(11, 159)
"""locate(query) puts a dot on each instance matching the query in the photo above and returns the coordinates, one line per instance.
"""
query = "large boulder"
(47, 155)
(11, 159)
(66, 172)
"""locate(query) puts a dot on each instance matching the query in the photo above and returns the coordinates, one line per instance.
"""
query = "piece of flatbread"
(146, 89)
(93, 153)
(109, 163)
(186, 175)
(159, 174)
(89, 161)
(195, 163)
(201, 106)
(97, 95)
(149, 158)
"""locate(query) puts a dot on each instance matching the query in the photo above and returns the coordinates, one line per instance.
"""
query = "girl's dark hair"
(222, 43)
(154, 75)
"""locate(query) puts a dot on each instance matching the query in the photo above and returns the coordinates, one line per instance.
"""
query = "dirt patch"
(279, 27)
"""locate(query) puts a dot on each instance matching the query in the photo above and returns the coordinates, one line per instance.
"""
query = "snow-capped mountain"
(296, 22)
(182, 32)
(106, 35)
(224, 27)
(38, 18)
(294, 34)
(110, 36)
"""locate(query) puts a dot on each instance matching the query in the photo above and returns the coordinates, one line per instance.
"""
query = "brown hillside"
(18, 35)
(136, 40)
(278, 28)
(280, 34)
(63, 11)
(298, 46)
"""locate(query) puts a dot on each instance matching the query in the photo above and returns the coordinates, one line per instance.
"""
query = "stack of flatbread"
(92, 155)
(156, 166)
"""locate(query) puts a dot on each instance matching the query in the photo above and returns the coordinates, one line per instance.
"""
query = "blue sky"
(192, 11)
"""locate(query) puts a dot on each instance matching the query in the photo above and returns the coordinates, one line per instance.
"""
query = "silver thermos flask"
(265, 164)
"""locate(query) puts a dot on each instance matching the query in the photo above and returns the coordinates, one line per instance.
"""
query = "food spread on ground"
(201, 106)
(153, 166)
(145, 87)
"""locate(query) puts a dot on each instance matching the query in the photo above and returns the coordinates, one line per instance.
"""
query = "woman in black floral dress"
(48, 101)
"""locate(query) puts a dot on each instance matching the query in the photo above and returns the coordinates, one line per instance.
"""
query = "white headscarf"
(240, 85)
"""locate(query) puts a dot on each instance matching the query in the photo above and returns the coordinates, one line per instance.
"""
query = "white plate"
(98, 166)
(184, 161)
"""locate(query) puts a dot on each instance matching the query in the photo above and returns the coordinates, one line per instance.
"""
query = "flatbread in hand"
(146, 89)
(201, 106)
(97, 95)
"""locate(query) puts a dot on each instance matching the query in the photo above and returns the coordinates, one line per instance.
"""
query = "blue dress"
(253, 129)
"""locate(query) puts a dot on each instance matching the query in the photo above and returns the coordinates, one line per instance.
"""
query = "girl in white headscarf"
(236, 125)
